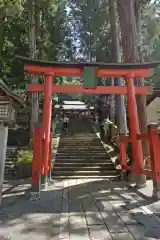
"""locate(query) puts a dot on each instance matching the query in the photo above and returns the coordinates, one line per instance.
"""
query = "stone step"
(110, 177)
(82, 162)
(87, 141)
(75, 149)
(75, 157)
(86, 158)
(84, 146)
(81, 152)
(8, 173)
(83, 168)
(92, 137)
(80, 139)
(11, 155)
(79, 135)
(8, 176)
(85, 173)
(80, 148)
(8, 169)
(87, 164)
(9, 163)
(77, 146)
(81, 158)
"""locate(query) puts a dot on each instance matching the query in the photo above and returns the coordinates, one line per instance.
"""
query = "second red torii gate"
(128, 71)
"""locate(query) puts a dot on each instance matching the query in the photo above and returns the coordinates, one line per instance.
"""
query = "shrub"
(25, 157)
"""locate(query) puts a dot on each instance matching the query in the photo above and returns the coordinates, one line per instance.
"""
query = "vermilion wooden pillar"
(155, 153)
(50, 160)
(50, 152)
(137, 152)
(42, 162)
(47, 113)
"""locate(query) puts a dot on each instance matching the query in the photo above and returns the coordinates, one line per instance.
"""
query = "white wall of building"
(152, 111)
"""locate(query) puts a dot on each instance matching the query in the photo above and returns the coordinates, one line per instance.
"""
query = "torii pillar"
(47, 116)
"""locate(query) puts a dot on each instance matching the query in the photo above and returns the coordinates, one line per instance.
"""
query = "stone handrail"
(113, 131)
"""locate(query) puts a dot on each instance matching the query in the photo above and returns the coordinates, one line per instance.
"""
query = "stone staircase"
(17, 140)
(81, 154)
(11, 154)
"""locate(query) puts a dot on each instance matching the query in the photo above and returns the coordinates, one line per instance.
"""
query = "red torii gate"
(52, 69)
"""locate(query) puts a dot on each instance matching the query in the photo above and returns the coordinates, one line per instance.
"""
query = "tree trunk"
(121, 121)
(112, 104)
(34, 105)
(2, 27)
(141, 100)
(131, 54)
(39, 30)
(128, 30)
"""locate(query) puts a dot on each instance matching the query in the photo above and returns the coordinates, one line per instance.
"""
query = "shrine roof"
(8, 92)
(154, 95)
(77, 64)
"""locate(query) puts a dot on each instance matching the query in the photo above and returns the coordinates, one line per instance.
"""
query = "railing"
(152, 136)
